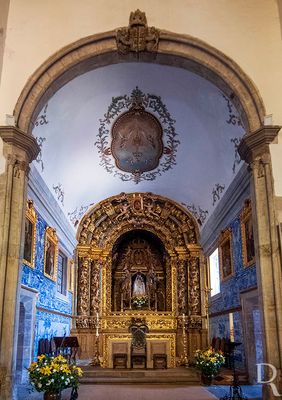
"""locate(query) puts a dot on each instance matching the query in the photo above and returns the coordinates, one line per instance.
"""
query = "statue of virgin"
(139, 286)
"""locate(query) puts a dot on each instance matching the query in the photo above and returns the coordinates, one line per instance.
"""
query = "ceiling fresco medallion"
(137, 139)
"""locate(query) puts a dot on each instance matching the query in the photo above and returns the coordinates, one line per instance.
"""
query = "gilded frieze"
(153, 321)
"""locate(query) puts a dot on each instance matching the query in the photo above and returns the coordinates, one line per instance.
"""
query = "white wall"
(248, 31)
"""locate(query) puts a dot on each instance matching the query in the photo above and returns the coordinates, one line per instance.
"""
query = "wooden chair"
(120, 360)
(160, 361)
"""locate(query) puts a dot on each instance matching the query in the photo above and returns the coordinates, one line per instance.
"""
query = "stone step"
(169, 376)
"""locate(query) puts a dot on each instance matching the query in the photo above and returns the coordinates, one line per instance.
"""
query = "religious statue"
(125, 286)
(139, 288)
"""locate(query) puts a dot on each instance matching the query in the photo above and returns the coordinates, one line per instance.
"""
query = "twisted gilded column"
(19, 149)
(182, 286)
(194, 285)
(254, 149)
(95, 288)
(83, 289)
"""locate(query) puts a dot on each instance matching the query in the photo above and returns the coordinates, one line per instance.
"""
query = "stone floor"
(145, 392)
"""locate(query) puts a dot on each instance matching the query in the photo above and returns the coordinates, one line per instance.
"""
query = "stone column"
(19, 150)
(254, 149)
(83, 292)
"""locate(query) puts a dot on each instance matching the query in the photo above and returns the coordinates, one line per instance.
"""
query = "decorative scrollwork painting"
(226, 254)
(137, 138)
(248, 244)
(29, 235)
(51, 253)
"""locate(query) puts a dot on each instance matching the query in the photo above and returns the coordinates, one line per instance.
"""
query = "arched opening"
(138, 272)
(95, 242)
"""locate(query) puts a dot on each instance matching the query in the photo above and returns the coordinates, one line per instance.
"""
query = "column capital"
(257, 143)
(24, 141)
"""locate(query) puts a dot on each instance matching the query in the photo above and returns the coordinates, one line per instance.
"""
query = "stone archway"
(177, 50)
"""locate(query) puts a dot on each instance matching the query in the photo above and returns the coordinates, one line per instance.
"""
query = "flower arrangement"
(53, 374)
(209, 361)
(139, 301)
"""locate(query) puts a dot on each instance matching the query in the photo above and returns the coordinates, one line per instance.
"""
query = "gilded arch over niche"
(105, 222)
(109, 220)
(173, 49)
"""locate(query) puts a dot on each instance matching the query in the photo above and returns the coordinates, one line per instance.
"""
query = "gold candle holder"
(184, 358)
(95, 362)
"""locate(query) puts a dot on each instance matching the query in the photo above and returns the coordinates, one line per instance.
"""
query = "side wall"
(243, 281)
(51, 313)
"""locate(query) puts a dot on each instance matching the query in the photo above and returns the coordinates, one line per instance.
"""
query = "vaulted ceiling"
(198, 158)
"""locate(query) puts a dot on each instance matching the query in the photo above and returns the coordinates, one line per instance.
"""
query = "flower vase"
(206, 379)
(52, 396)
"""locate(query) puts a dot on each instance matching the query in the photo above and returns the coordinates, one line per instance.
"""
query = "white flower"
(39, 385)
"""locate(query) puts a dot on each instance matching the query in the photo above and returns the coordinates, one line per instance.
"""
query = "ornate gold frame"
(70, 275)
(51, 236)
(245, 217)
(32, 218)
(224, 238)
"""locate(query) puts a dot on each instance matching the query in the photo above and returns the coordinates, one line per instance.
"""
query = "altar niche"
(138, 273)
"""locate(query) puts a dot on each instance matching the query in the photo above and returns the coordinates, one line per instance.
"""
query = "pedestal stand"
(235, 390)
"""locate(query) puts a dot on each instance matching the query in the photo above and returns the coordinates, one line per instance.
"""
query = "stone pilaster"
(254, 149)
(19, 150)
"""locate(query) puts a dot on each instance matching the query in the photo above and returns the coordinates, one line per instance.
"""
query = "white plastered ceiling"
(204, 157)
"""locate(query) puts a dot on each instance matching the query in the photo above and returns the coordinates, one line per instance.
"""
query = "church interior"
(140, 182)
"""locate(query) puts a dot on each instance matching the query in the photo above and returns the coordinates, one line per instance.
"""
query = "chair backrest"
(138, 343)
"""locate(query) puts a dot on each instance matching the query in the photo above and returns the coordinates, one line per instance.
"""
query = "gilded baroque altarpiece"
(138, 258)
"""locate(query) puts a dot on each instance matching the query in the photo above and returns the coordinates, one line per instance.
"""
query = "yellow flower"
(45, 370)
(33, 365)
(41, 357)
(60, 358)
(78, 371)
(65, 369)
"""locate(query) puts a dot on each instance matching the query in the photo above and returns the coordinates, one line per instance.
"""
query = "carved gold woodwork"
(194, 286)
(83, 300)
(155, 322)
(108, 339)
(102, 262)
(182, 287)
(95, 287)
(30, 234)
(166, 219)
